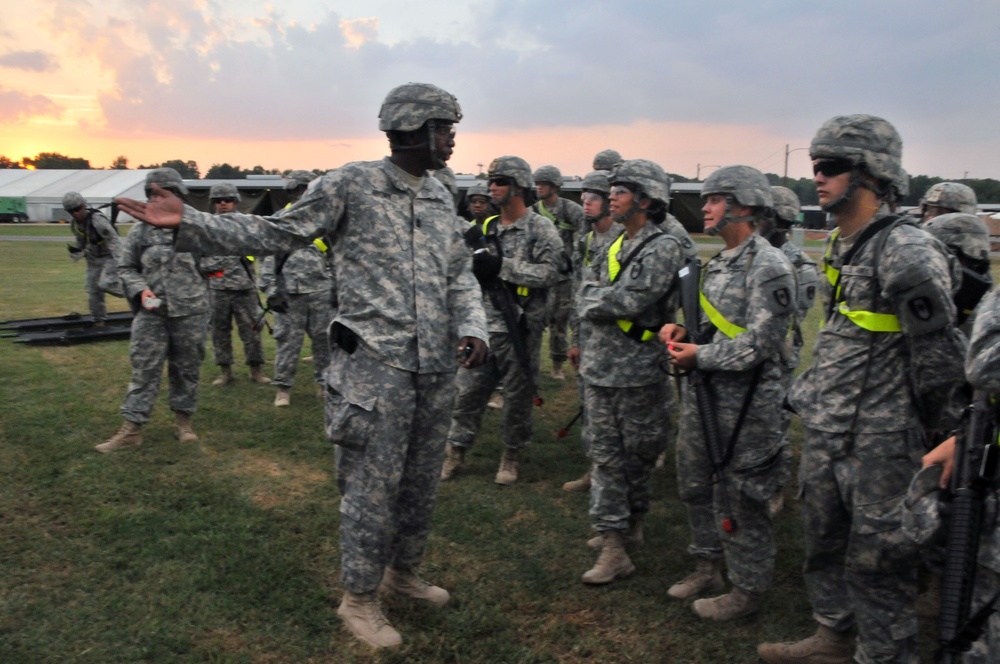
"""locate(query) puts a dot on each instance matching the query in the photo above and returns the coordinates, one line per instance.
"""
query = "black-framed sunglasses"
(78, 208)
(832, 167)
(500, 182)
(225, 199)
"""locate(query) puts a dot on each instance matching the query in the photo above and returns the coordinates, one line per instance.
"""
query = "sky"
(690, 84)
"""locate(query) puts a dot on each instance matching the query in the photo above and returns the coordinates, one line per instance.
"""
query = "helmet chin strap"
(840, 202)
(727, 218)
(635, 209)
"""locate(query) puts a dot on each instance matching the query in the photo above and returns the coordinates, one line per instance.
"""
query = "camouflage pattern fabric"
(590, 249)
(244, 307)
(674, 227)
(96, 267)
(861, 402)
(149, 260)
(97, 238)
(406, 289)
(307, 313)
(752, 286)
(982, 364)
(568, 219)
(532, 251)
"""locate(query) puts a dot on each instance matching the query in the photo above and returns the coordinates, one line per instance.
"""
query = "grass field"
(227, 550)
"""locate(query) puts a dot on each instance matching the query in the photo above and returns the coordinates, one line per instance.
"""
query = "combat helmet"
(167, 178)
(744, 185)
(72, 200)
(786, 205)
(224, 190)
(514, 168)
(549, 174)
(605, 160)
(597, 182)
(649, 180)
(872, 145)
(407, 107)
(965, 234)
(298, 178)
(478, 188)
(952, 196)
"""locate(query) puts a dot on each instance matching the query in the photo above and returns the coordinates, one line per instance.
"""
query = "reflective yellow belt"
(718, 320)
(521, 290)
(614, 267)
(866, 320)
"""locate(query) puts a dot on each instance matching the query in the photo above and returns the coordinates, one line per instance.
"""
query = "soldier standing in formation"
(169, 293)
(410, 303)
(748, 302)
(867, 400)
(567, 217)
(524, 251)
(946, 197)
(623, 367)
(233, 290)
(301, 291)
(97, 240)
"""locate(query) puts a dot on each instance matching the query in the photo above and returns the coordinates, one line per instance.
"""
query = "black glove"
(277, 303)
(474, 237)
(73, 249)
(486, 266)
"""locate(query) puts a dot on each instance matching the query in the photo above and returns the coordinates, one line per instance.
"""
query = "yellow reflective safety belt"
(321, 245)
(251, 259)
(563, 226)
(586, 248)
(718, 320)
(631, 330)
(831, 272)
(866, 320)
(522, 291)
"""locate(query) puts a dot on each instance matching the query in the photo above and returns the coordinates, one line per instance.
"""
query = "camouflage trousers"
(752, 478)
(180, 342)
(474, 387)
(389, 427)
(860, 568)
(244, 306)
(986, 650)
(627, 428)
(307, 312)
(559, 307)
(95, 296)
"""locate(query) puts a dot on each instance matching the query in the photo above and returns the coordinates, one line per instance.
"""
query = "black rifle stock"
(690, 278)
(976, 458)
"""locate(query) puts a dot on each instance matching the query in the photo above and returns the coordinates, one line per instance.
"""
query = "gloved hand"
(73, 249)
(485, 265)
(277, 303)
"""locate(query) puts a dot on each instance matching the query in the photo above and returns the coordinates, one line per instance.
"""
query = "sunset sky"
(297, 84)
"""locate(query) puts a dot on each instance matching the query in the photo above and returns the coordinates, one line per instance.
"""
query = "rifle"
(503, 299)
(690, 278)
(976, 462)
(248, 268)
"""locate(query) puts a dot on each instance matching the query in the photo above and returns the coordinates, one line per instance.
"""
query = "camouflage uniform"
(861, 403)
(532, 257)
(306, 281)
(627, 395)
(674, 227)
(567, 217)
(753, 287)
(406, 295)
(982, 367)
(174, 332)
(234, 295)
(100, 244)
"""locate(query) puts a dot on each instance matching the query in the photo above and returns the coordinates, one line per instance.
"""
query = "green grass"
(227, 550)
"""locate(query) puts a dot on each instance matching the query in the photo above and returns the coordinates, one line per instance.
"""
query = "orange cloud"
(357, 31)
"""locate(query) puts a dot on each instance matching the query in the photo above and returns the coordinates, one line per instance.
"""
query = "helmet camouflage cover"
(298, 178)
(72, 200)
(650, 179)
(549, 174)
(953, 196)
(745, 184)
(407, 107)
(224, 190)
(512, 167)
(965, 233)
(597, 182)
(605, 160)
(478, 188)
(867, 141)
(786, 203)
(167, 178)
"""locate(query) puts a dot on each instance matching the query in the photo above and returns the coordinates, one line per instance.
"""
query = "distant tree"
(54, 160)
(224, 172)
(120, 163)
(6, 162)
(187, 169)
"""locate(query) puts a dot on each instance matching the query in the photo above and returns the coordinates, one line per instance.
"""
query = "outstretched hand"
(164, 208)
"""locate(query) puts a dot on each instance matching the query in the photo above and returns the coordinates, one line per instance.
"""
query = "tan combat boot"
(405, 582)
(557, 372)
(613, 563)
(582, 484)
(182, 428)
(495, 402)
(734, 604)
(257, 375)
(824, 647)
(282, 399)
(507, 473)
(363, 616)
(454, 459)
(130, 435)
(707, 577)
(633, 537)
(226, 378)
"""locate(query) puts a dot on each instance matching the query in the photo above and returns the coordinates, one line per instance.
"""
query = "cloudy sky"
(298, 83)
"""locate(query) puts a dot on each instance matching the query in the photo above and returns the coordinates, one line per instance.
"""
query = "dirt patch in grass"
(272, 482)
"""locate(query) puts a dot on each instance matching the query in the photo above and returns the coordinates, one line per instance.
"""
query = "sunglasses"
(500, 182)
(78, 208)
(226, 199)
(832, 167)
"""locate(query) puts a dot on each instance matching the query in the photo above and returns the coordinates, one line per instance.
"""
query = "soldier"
(624, 369)
(606, 160)
(588, 251)
(786, 212)
(96, 240)
(169, 293)
(945, 197)
(568, 219)
(478, 201)
(407, 302)
(968, 239)
(867, 400)
(233, 291)
(748, 302)
(525, 254)
(301, 290)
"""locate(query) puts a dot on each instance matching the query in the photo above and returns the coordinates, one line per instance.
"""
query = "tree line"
(987, 189)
